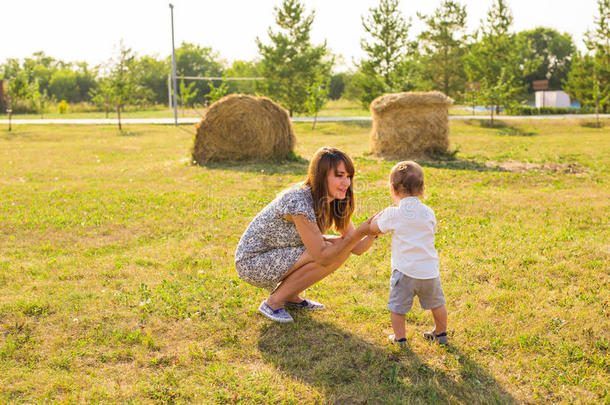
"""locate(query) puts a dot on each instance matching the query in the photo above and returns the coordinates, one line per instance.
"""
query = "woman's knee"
(330, 267)
(307, 258)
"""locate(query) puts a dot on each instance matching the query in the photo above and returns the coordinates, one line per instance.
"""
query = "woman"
(285, 244)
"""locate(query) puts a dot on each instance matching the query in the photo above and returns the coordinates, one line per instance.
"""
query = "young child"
(415, 269)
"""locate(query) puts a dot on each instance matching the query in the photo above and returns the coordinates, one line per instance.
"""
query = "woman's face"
(338, 181)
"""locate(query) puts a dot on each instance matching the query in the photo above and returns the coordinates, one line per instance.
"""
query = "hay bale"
(240, 127)
(411, 125)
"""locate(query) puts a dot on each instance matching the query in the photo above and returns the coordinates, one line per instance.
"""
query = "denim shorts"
(404, 288)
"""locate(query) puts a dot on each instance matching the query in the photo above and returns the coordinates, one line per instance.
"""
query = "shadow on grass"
(501, 126)
(358, 124)
(128, 133)
(350, 370)
(592, 124)
(444, 160)
(298, 166)
(14, 134)
(461, 164)
(295, 165)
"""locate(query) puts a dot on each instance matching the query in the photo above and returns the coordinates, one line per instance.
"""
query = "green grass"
(333, 108)
(117, 281)
(156, 112)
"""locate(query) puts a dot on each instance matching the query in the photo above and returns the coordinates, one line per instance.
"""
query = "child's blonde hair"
(407, 178)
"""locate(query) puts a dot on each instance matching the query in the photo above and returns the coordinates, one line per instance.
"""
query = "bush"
(22, 107)
(62, 107)
(337, 86)
(64, 86)
(529, 110)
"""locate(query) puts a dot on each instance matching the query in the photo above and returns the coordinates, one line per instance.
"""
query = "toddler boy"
(415, 269)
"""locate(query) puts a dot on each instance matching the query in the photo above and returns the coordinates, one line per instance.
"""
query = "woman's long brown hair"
(337, 212)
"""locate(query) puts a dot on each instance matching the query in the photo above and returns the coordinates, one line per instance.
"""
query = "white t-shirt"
(413, 226)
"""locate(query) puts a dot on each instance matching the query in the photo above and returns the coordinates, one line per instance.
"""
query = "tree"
(352, 90)
(10, 68)
(589, 79)
(290, 63)
(151, 76)
(443, 48)
(389, 32)
(102, 94)
(216, 93)
(547, 53)
(501, 91)
(494, 60)
(122, 80)
(241, 68)
(317, 95)
(41, 67)
(18, 91)
(187, 93)
(85, 80)
(336, 86)
(63, 86)
(38, 100)
(386, 67)
(194, 60)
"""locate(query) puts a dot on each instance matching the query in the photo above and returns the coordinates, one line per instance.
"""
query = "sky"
(90, 30)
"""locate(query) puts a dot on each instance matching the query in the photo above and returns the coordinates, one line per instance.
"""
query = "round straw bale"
(412, 125)
(241, 127)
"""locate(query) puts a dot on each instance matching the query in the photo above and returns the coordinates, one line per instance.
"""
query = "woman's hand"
(322, 249)
(367, 228)
(372, 231)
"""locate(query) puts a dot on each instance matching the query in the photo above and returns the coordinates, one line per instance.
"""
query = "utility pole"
(171, 7)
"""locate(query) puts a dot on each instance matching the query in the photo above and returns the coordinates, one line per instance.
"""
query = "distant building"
(552, 99)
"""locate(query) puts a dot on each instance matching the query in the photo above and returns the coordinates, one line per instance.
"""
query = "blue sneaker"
(306, 304)
(278, 315)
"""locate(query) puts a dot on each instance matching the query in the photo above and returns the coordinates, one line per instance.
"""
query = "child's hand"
(369, 228)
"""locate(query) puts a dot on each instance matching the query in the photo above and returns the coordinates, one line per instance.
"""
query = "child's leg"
(398, 325)
(440, 319)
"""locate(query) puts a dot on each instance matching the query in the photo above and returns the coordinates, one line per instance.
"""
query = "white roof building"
(552, 99)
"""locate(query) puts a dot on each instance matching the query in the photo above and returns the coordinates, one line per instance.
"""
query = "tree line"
(299, 75)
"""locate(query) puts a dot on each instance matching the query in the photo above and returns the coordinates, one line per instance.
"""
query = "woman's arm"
(367, 242)
(364, 244)
(323, 252)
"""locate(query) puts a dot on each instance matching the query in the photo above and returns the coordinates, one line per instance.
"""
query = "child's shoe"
(441, 338)
(400, 342)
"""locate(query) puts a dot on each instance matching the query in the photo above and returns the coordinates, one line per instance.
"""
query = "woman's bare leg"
(298, 280)
(295, 283)
(304, 259)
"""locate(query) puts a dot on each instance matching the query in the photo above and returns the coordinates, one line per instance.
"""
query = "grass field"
(117, 281)
(333, 108)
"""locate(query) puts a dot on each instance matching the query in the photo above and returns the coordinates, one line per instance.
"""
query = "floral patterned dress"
(271, 245)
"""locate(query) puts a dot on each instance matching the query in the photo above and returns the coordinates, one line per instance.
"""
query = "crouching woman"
(284, 249)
